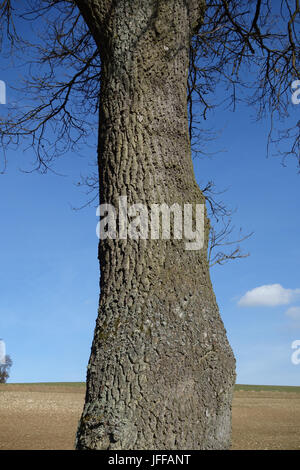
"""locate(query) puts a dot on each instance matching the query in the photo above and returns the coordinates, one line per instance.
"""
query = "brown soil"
(46, 417)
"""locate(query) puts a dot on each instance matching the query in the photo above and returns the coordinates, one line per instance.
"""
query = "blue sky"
(49, 269)
(261, 326)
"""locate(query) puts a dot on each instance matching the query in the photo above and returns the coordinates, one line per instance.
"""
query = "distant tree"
(5, 369)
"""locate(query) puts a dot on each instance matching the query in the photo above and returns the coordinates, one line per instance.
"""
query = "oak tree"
(161, 371)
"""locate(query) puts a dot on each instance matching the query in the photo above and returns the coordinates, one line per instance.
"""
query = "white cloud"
(269, 295)
(293, 312)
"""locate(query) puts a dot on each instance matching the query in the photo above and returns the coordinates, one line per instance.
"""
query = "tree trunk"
(161, 370)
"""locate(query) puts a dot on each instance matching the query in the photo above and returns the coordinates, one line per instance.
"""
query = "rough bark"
(161, 370)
